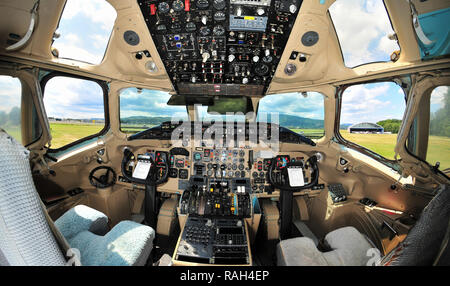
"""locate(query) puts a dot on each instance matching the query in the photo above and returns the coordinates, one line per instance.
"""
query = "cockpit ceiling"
(223, 47)
(232, 45)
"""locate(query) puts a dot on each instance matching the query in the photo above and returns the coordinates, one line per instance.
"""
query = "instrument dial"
(177, 5)
(204, 31)
(219, 4)
(202, 4)
(219, 30)
(163, 7)
(261, 69)
(191, 27)
(219, 16)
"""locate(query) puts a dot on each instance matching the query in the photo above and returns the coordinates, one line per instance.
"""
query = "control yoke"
(284, 184)
(152, 174)
(151, 181)
(287, 189)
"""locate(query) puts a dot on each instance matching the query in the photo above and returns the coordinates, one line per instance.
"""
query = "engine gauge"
(219, 30)
(219, 4)
(177, 5)
(163, 7)
(219, 16)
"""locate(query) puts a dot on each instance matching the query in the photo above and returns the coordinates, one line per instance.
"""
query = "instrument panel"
(239, 170)
(222, 47)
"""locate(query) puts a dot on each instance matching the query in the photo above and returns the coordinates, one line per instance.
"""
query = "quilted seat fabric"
(25, 237)
(128, 243)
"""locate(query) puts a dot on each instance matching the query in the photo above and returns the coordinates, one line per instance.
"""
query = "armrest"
(81, 218)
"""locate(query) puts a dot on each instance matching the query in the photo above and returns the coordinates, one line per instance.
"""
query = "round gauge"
(191, 27)
(241, 153)
(241, 167)
(267, 59)
(204, 31)
(261, 69)
(197, 156)
(163, 7)
(177, 5)
(219, 30)
(202, 4)
(219, 16)
(230, 174)
(161, 28)
(219, 4)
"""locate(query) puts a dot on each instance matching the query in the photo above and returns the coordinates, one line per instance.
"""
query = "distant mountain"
(345, 125)
(288, 121)
(145, 120)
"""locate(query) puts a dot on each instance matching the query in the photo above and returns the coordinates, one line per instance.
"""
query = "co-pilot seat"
(29, 238)
(426, 243)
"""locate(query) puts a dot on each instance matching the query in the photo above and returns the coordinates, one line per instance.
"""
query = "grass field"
(383, 144)
(63, 133)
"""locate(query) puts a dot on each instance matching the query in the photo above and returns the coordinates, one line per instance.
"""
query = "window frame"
(394, 164)
(36, 119)
(103, 85)
(412, 131)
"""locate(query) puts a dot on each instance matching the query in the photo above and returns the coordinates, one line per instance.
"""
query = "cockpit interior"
(225, 132)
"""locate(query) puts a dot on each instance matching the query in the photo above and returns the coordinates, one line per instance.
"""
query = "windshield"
(302, 113)
(141, 109)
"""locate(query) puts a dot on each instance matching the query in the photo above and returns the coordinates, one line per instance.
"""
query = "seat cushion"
(299, 251)
(128, 243)
(349, 248)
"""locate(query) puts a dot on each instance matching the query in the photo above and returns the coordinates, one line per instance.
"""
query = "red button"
(152, 9)
(187, 5)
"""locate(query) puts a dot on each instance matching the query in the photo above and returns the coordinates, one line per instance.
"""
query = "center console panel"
(216, 241)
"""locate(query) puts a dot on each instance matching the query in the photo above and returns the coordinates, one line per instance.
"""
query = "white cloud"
(438, 94)
(10, 93)
(98, 11)
(362, 28)
(85, 28)
(364, 103)
(73, 98)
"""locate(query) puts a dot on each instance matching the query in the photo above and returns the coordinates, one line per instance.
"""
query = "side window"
(439, 137)
(14, 98)
(371, 116)
(75, 109)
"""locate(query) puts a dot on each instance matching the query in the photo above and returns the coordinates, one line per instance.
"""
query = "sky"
(85, 28)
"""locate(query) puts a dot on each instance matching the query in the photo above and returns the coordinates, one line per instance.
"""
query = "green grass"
(384, 144)
(64, 133)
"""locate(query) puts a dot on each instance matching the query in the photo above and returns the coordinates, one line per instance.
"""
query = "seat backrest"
(25, 236)
(424, 240)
